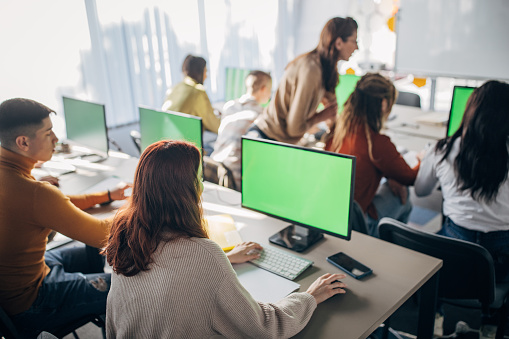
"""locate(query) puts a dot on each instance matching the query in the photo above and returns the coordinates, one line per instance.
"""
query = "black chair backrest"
(408, 99)
(136, 138)
(358, 220)
(218, 173)
(467, 271)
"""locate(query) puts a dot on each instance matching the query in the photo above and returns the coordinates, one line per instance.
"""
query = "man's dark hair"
(20, 116)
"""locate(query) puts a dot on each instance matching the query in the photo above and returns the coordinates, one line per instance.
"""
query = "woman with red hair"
(170, 280)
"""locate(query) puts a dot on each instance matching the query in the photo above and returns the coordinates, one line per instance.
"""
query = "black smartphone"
(349, 265)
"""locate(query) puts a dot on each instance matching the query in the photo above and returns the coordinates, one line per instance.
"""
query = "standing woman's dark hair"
(165, 204)
(194, 67)
(329, 55)
(364, 108)
(482, 163)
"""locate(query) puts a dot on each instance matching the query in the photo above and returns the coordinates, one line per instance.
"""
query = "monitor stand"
(296, 238)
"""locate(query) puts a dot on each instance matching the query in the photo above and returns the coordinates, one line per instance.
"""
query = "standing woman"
(357, 132)
(472, 168)
(308, 80)
(171, 281)
(189, 97)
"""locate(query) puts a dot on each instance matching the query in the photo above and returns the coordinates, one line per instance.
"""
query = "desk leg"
(427, 308)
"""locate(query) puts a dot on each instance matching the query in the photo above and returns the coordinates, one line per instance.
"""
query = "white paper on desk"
(264, 285)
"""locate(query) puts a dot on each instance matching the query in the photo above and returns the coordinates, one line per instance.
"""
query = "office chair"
(8, 330)
(136, 138)
(408, 99)
(218, 173)
(467, 277)
(358, 219)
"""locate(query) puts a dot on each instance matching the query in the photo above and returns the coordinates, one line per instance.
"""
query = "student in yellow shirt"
(189, 97)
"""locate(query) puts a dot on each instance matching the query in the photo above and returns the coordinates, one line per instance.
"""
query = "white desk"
(398, 272)
(406, 129)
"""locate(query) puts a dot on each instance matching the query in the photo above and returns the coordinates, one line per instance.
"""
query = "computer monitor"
(85, 124)
(310, 188)
(460, 97)
(346, 86)
(156, 125)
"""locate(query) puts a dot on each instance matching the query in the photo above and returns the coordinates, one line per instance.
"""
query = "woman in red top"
(357, 133)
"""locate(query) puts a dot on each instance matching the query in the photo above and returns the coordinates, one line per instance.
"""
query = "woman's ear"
(339, 43)
(385, 107)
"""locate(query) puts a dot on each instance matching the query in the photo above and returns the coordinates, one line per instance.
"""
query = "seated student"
(357, 132)
(472, 168)
(167, 271)
(189, 97)
(37, 289)
(238, 115)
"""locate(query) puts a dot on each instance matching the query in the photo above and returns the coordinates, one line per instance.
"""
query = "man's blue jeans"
(75, 287)
(497, 243)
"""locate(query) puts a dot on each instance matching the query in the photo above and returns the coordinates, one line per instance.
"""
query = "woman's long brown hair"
(164, 205)
(363, 109)
(329, 56)
(483, 160)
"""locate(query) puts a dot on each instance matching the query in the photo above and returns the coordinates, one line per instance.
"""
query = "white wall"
(40, 49)
(312, 17)
(47, 45)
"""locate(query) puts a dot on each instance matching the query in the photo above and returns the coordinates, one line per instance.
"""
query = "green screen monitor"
(85, 124)
(235, 83)
(346, 86)
(157, 125)
(460, 97)
(344, 89)
(312, 189)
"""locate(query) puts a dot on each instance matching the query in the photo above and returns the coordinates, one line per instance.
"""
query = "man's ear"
(23, 143)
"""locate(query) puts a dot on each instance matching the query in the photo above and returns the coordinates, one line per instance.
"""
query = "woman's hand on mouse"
(244, 251)
(327, 286)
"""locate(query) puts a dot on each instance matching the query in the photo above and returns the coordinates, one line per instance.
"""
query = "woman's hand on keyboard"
(327, 286)
(244, 252)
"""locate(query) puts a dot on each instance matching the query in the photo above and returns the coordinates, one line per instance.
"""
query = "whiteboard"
(453, 38)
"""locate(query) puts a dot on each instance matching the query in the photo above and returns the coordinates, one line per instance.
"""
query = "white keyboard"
(281, 263)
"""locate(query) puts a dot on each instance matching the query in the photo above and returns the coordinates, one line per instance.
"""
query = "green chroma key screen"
(460, 97)
(345, 88)
(157, 125)
(85, 124)
(304, 186)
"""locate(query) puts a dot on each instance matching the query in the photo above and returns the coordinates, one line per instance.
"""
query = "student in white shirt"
(237, 116)
(472, 169)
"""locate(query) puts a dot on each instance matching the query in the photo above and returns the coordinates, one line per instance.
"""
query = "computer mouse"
(335, 281)
(254, 251)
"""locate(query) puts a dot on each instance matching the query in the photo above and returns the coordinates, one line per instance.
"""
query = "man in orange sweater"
(39, 290)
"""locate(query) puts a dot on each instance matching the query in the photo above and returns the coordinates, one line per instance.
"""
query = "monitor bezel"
(100, 153)
(184, 115)
(450, 110)
(313, 228)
